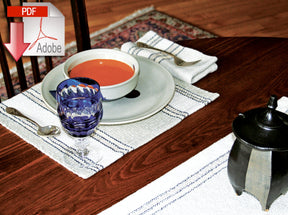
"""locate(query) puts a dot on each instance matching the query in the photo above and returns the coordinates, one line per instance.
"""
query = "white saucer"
(156, 87)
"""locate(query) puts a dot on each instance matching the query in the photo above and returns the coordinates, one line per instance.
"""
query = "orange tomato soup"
(105, 71)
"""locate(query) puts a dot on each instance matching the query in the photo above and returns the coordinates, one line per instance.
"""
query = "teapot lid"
(263, 128)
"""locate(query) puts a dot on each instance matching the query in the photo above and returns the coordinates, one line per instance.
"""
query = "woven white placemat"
(111, 141)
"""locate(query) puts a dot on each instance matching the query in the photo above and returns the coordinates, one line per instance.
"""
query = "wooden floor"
(225, 18)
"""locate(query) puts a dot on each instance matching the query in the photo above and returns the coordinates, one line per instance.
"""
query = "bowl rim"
(105, 50)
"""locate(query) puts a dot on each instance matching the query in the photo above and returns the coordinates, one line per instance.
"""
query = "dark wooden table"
(250, 70)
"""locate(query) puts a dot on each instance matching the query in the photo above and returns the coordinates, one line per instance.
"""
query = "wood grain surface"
(250, 70)
(265, 18)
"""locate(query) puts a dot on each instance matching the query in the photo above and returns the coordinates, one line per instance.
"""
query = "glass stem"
(81, 144)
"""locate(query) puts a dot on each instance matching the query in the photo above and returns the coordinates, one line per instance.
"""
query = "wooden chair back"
(81, 25)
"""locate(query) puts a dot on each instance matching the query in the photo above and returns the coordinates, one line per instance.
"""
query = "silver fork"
(178, 61)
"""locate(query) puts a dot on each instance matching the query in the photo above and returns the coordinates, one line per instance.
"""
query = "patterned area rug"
(129, 29)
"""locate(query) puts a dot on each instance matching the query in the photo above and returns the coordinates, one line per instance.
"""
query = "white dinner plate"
(156, 87)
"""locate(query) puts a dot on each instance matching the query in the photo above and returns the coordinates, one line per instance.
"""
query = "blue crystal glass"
(79, 106)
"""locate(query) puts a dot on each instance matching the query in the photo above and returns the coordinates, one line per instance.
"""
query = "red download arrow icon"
(16, 47)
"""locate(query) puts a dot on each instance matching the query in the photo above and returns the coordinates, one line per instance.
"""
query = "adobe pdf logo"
(46, 35)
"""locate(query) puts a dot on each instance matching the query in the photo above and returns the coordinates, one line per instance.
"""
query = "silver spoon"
(178, 61)
(46, 130)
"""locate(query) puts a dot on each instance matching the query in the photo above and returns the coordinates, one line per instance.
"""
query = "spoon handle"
(16, 112)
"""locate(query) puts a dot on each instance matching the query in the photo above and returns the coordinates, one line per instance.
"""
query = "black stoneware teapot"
(258, 161)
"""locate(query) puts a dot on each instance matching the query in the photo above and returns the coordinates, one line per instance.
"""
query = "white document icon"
(46, 35)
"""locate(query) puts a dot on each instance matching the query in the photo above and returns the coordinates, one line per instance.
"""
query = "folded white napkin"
(201, 64)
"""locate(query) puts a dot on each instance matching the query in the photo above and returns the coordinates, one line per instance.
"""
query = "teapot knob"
(272, 103)
(269, 117)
